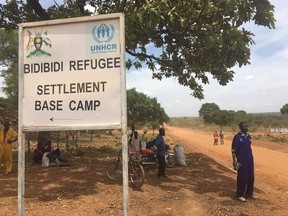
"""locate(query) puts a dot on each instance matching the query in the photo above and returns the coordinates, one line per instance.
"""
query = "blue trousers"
(245, 180)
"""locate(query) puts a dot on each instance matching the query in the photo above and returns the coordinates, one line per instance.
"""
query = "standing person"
(221, 135)
(243, 162)
(131, 132)
(7, 137)
(160, 153)
(131, 135)
(136, 144)
(144, 139)
(215, 136)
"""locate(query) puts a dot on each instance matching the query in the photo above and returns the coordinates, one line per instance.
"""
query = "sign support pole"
(21, 135)
(21, 173)
(124, 120)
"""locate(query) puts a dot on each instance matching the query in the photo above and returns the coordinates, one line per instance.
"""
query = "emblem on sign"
(103, 33)
(36, 42)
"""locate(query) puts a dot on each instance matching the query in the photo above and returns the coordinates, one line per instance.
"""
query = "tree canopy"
(284, 109)
(207, 111)
(223, 117)
(143, 109)
(9, 63)
(211, 113)
(188, 40)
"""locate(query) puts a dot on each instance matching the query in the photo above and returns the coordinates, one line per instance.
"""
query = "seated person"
(52, 156)
(38, 154)
(54, 153)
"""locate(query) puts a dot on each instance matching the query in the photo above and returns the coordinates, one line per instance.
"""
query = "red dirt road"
(206, 186)
(271, 166)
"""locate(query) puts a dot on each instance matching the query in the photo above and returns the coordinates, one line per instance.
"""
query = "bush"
(106, 149)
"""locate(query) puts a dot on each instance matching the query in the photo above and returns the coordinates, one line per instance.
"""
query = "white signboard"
(72, 73)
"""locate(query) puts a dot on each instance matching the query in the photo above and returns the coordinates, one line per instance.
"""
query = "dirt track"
(206, 186)
(270, 165)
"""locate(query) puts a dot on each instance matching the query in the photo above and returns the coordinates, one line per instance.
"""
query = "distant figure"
(215, 136)
(243, 162)
(221, 135)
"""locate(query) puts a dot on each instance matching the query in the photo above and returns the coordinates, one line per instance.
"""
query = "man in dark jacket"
(161, 150)
(243, 162)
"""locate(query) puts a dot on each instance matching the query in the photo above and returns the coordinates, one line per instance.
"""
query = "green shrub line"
(257, 124)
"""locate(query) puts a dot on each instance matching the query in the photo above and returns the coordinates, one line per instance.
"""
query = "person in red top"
(215, 136)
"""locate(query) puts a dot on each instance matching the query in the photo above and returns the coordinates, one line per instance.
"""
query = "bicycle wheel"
(115, 172)
(170, 160)
(136, 174)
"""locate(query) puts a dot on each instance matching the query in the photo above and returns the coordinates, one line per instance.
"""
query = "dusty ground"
(206, 186)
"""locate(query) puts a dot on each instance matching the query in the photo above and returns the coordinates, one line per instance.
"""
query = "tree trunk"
(43, 138)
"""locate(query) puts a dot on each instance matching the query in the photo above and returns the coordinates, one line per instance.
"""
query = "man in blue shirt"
(243, 162)
(161, 150)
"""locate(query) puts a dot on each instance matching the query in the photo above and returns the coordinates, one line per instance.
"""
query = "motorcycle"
(149, 158)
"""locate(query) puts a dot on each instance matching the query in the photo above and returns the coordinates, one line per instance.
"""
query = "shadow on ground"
(86, 176)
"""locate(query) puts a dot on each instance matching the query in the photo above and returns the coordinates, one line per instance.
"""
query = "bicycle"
(135, 171)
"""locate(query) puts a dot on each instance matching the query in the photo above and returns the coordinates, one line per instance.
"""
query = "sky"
(259, 87)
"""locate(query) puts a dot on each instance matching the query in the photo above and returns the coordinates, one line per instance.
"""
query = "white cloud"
(250, 77)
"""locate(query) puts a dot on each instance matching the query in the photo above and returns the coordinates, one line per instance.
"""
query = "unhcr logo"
(103, 34)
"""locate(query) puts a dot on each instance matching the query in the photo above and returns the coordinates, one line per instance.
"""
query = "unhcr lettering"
(103, 47)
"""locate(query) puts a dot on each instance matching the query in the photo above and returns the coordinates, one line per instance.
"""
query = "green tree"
(191, 39)
(284, 109)
(223, 117)
(207, 111)
(143, 109)
(9, 66)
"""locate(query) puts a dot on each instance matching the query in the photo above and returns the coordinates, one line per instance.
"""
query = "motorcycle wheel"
(146, 158)
(170, 160)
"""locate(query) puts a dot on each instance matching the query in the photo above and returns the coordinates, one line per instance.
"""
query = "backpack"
(150, 143)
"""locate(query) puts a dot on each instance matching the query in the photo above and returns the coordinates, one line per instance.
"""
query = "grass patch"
(106, 149)
(258, 137)
(278, 139)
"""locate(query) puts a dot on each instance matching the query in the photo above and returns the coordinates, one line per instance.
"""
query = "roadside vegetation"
(260, 125)
(211, 113)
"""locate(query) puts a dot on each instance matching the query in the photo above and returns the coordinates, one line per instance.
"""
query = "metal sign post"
(72, 77)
